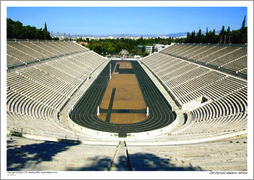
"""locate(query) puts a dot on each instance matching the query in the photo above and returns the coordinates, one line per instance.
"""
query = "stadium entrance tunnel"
(123, 100)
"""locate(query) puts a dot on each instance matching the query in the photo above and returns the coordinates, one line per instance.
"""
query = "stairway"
(121, 159)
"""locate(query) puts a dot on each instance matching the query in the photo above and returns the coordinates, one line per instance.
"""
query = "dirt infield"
(123, 118)
(122, 95)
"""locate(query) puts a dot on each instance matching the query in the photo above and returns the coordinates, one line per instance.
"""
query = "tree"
(188, 37)
(199, 36)
(236, 37)
(143, 49)
(213, 36)
(55, 38)
(243, 23)
(208, 36)
(15, 29)
(10, 28)
(18, 30)
(243, 32)
(222, 33)
(45, 28)
(153, 49)
(228, 34)
(79, 40)
(193, 37)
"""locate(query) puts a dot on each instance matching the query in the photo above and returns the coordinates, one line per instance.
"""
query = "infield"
(122, 96)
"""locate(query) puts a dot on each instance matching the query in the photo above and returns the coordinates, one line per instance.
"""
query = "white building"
(159, 47)
(149, 49)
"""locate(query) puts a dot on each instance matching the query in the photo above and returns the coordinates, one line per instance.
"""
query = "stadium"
(184, 108)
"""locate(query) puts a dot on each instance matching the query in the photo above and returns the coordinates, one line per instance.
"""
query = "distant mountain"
(146, 35)
(117, 35)
(179, 34)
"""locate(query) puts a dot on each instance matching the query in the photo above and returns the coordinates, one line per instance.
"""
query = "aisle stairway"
(121, 159)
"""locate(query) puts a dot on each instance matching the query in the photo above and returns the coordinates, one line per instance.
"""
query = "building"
(149, 49)
(123, 52)
(159, 47)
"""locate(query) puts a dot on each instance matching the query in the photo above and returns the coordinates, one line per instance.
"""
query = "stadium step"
(121, 159)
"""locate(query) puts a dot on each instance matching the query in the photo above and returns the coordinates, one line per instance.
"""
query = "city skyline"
(129, 20)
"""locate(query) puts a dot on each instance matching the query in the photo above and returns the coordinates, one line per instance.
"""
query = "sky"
(127, 19)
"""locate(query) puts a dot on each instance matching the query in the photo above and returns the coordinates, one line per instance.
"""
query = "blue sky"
(133, 20)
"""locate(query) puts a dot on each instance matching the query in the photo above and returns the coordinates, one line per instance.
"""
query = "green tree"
(208, 36)
(79, 40)
(222, 34)
(188, 38)
(213, 37)
(193, 37)
(228, 34)
(55, 38)
(18, 30)
(15, 29)
(199, 36)
(243, 32)
(236, 37)
(10, 28)
(143, 49)
(45, 27)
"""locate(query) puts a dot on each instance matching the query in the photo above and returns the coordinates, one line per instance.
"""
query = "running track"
(160, 114)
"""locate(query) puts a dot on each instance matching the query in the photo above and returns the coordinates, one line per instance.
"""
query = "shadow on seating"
(22, 157)
(39, 156)
(138, 162)
(151, 162)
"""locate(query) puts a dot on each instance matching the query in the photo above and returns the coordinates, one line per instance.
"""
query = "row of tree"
(224, 37)
(114, 46)
(15, 29)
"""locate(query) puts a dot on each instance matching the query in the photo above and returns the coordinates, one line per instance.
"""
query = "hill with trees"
(224, 37)
(15, 29)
